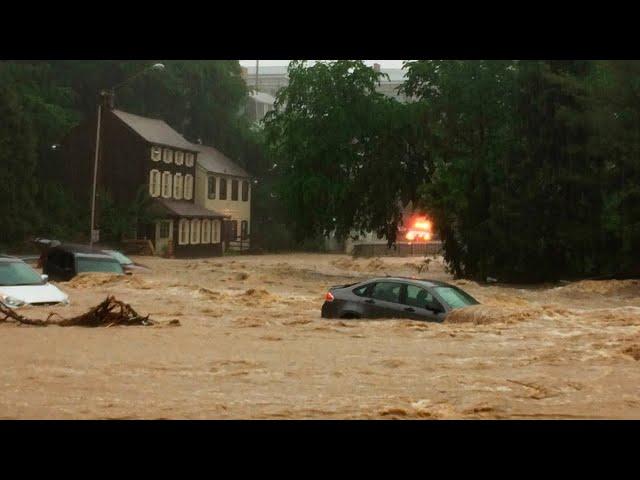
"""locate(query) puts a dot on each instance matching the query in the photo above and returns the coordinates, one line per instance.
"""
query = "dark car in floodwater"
(65, 261)
(395, 297)
(128, 266)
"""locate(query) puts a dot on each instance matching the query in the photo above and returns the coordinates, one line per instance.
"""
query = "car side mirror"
(44, 277)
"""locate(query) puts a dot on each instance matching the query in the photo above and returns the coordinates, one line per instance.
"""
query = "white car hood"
(35, 293)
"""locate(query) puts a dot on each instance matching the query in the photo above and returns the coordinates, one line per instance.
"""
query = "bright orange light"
(414, 235)
(422, 225)
(420, 230)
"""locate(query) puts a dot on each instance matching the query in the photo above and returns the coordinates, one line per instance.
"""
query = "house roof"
(158, 132)
(154, 131)
(181, 208)
(215, 161)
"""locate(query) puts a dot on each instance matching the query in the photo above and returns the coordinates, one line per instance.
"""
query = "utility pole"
(255, 103)
(257, 75)
(94, 235)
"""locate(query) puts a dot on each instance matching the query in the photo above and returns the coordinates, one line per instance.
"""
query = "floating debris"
(108, 313)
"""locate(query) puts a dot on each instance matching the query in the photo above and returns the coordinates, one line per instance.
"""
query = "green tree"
(516, 193)
(327, 141)
(17, 167)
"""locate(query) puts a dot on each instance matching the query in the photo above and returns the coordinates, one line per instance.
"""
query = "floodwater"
(252, 345)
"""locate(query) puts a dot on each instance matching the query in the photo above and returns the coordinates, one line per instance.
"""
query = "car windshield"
(123, 259)
(18, 273)
(454, 297)
(93, 264)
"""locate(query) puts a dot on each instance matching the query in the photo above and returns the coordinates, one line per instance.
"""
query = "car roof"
(83, 250)
(95, 255)
(423, 281)
(9, 258)
(78, 248)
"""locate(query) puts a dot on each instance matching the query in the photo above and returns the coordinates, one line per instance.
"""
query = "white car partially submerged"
(21, 285)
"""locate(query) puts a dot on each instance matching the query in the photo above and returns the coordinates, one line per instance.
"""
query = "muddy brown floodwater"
(252, 345)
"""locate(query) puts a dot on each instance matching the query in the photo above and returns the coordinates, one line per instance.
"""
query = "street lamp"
(104, 93)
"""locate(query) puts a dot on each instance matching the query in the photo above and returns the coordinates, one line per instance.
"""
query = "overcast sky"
(265, 63)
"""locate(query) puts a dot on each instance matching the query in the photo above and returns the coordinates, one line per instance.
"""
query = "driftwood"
(106, 314)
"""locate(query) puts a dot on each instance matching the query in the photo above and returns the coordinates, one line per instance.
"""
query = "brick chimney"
(376, 67)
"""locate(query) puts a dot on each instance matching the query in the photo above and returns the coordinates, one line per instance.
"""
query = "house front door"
(164, 233)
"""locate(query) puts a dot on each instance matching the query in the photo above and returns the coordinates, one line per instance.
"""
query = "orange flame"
(420, 230)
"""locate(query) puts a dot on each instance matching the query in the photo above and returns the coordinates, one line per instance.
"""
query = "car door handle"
(409, 309)
(369, 301)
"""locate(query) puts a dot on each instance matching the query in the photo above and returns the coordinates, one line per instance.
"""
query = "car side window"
(387, 291)
(421, 298)
(363, 290)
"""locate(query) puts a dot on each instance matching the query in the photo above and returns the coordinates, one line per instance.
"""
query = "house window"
(178, 158)
(164, 229)
(223, 189)
(154, 183)
(244, 229)
(184, 232)
(167, 155)
(245, 191)
(177, 186)
(188, 187)
(206, 231)
(215, 235)
(211, 188)
(195, 231)
(188, 159)
(156, 154)
(232, 232)
(234, 190)
(166, 184)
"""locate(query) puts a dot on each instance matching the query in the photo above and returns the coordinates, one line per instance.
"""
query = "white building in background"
(273, 78)
(258, 105)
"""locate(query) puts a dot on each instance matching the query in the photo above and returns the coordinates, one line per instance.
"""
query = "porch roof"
(181, 208)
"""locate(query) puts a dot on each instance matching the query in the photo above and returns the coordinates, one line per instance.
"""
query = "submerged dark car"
(45, 245)
(65, 261)
(395, 297)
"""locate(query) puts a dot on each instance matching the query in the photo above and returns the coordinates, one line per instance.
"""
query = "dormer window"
(154, 183)
(167, 155)
(179, 158)
(234, 190)
(223, 189)
(245, 191)
(188, 157)
(188, 187)
(177, 186)
(156, 154)
(166, 184)
(211, 187)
